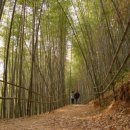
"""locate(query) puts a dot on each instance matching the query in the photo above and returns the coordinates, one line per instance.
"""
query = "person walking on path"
(72, 97)
(76, 96)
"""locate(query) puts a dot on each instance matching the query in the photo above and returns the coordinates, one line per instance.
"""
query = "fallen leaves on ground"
(75, 117)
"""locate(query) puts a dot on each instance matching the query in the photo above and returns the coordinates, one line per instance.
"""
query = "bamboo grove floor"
(75, 117)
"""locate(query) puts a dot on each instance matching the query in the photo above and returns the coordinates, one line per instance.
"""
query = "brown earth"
(75, 117)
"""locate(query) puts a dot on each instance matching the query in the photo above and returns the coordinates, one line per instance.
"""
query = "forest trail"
(75, 117)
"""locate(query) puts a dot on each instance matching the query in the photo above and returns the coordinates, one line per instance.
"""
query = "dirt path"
(74, 117)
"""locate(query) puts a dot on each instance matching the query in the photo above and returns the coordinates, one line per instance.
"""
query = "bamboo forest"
(50, 49)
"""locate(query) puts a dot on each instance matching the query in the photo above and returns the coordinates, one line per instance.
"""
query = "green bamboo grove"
(51, 47)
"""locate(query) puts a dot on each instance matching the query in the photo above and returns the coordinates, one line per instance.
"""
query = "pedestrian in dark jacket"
(76, 96)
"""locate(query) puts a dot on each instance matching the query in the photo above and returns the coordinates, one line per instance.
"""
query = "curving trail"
(75, 117)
